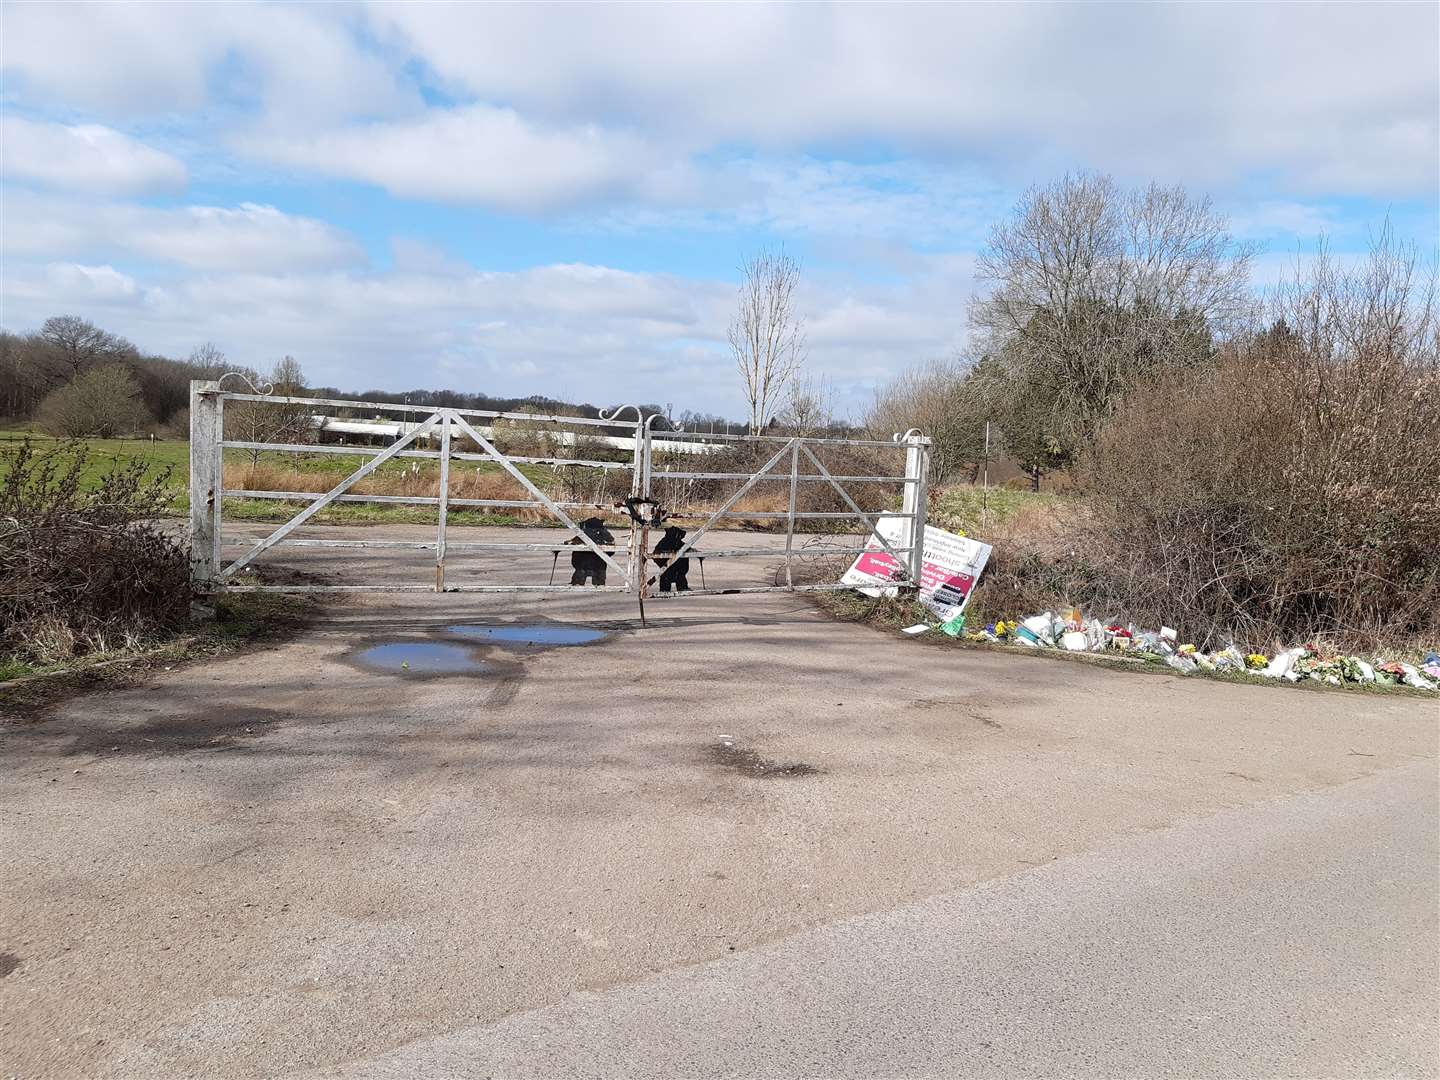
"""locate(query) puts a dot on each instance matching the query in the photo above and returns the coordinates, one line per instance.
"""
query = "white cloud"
(1265, 219)
(480, 154)
(865, 205)
(300, 64)
(86, 157)
(247, 237)
(536, 109)
(1315, 94)
(28, 288)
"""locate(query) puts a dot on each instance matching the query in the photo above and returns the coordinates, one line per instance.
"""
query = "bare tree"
(266, 422)
(940, 400)
(78, 343)
(1094, 288)
(209, 359)
(809, 405)
(287, 378)
(767, 336)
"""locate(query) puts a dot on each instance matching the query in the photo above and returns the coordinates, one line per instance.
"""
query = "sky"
(556, 199)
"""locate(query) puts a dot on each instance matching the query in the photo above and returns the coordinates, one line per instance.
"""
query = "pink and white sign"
(951, 564)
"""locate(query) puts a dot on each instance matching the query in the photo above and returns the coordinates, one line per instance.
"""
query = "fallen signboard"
(950, 566)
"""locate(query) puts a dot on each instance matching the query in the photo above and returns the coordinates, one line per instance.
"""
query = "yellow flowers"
(1256, 659)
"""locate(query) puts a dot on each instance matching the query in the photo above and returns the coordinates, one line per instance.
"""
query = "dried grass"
(423, 484)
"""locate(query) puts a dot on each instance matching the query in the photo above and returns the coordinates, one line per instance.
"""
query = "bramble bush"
(1290, 490)
(84, 569)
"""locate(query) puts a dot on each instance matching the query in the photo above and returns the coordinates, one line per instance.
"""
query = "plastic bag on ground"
(1413, 678)
(954, 627)
(1231, 658)
(1148, 641)
(1283, 665)
(1037, 630)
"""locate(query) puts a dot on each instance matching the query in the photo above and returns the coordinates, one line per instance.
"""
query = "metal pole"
(444, 502)
(985, 484)
(912, 504)
(922, 507)
(644, 568)
(206, 481)
(790, 519)
(635, 565)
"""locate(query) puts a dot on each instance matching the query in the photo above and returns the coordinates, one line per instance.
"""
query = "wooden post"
(444, 503)
(206, 482)
(790, 517)
(913, 500)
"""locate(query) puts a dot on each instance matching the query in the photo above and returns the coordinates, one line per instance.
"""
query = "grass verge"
(242, 620)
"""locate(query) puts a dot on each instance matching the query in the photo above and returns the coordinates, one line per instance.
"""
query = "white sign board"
(951, 564)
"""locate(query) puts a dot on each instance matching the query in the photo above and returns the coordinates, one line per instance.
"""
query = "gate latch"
(645, 511)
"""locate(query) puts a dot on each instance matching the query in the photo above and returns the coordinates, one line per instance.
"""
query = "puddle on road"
(542, 635)
(422, 658)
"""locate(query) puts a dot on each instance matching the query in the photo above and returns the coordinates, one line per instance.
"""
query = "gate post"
(636, 565)
(915, 499)
(206, 481)
(444, 508)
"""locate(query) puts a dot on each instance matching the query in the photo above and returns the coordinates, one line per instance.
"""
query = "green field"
(173, 456)
(106, 453)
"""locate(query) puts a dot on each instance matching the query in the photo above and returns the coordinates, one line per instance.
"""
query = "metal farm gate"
(425, 433)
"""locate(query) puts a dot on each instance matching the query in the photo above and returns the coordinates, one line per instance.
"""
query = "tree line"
(73, 378)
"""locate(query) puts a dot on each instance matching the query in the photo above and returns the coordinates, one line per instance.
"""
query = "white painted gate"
(425, 433)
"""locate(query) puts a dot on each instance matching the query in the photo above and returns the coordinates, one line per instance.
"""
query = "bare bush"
(1289, 490)
(84, 570)
(103, 402)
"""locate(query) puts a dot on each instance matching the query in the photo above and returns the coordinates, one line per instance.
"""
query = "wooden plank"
(205, 482)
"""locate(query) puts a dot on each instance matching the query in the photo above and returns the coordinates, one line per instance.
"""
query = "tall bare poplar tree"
(766, 335)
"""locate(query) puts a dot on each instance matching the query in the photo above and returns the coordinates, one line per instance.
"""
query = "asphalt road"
(1275, 940)
(287, 861)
